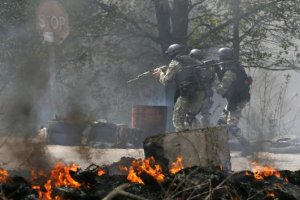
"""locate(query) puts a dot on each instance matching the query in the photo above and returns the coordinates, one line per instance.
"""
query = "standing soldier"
(207, 74)
(189, 91)
(234, 85)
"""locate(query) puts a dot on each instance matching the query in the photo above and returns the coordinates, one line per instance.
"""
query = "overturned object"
(200, 147)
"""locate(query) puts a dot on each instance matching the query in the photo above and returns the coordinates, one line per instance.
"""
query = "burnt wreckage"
(144, 179)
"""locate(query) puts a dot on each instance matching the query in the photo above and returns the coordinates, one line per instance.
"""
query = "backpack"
(240, 89)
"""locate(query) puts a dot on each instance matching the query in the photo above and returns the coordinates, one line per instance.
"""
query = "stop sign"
(52, 17)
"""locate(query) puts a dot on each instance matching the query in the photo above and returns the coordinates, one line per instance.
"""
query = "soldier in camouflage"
(233, 84)
(207, 74)
(189, 92)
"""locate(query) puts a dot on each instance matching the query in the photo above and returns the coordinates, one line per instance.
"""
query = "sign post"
(53, 25)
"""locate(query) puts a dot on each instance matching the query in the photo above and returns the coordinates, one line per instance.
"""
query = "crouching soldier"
(189, 91)
(233, 84)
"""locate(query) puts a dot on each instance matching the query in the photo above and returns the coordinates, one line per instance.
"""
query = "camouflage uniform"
(227, 85)
(207, 76)
(184, 105)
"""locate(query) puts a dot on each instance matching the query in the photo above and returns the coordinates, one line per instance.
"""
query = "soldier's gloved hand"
(156, 73)
(164, 68)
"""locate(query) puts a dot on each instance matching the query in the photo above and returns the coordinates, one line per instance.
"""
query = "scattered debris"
(97, 134)
(96, 182)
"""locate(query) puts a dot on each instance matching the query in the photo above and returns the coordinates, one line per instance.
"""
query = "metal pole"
(49, 38)
(52, 79)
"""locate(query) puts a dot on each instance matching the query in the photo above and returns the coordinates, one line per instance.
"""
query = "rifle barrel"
(147, 73)
(210, 63)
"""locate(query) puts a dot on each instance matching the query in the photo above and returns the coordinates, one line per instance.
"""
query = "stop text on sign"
(55, 22)
(52, 17)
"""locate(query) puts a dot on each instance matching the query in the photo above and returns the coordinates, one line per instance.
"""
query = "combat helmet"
(196, 53)
(225, 53)
(174, 49)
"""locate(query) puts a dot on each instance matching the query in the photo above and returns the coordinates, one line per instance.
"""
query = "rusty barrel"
(152, 120)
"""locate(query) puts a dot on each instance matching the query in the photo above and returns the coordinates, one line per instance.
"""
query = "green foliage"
(19, 34)
(267, 35)
(273, 27)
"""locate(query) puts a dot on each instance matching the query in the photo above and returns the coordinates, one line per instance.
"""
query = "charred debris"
(159, 176)
(145, 179)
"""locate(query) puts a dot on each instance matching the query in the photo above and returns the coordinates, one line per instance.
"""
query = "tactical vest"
(208, 75)
(240, 88)
(187, 78)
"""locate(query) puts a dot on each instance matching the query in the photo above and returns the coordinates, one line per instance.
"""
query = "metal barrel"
(152, 120)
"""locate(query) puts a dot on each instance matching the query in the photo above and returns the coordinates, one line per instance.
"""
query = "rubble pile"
(144, 179)
(98, 134)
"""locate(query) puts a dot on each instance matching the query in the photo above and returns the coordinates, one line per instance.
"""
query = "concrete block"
(200, 147)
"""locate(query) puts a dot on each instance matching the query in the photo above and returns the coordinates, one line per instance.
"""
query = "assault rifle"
(147, 73)
(208, 63)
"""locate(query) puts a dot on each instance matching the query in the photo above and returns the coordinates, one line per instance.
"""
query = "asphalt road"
(106, 156)
(85, 156)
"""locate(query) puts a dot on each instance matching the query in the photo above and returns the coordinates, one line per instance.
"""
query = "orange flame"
(247, 173)
(270, 194)
(3, 175)
(101, 172)
(60, 176)
(147, 166)
(125, 169)
(264, 171)
(177, 165)
(286, 179)
(132, 176)
(36, 174)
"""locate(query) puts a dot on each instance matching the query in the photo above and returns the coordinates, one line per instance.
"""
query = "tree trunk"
(162, 10)
(236, 24)
(179, 20)
(172, 28)
(172, 24)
